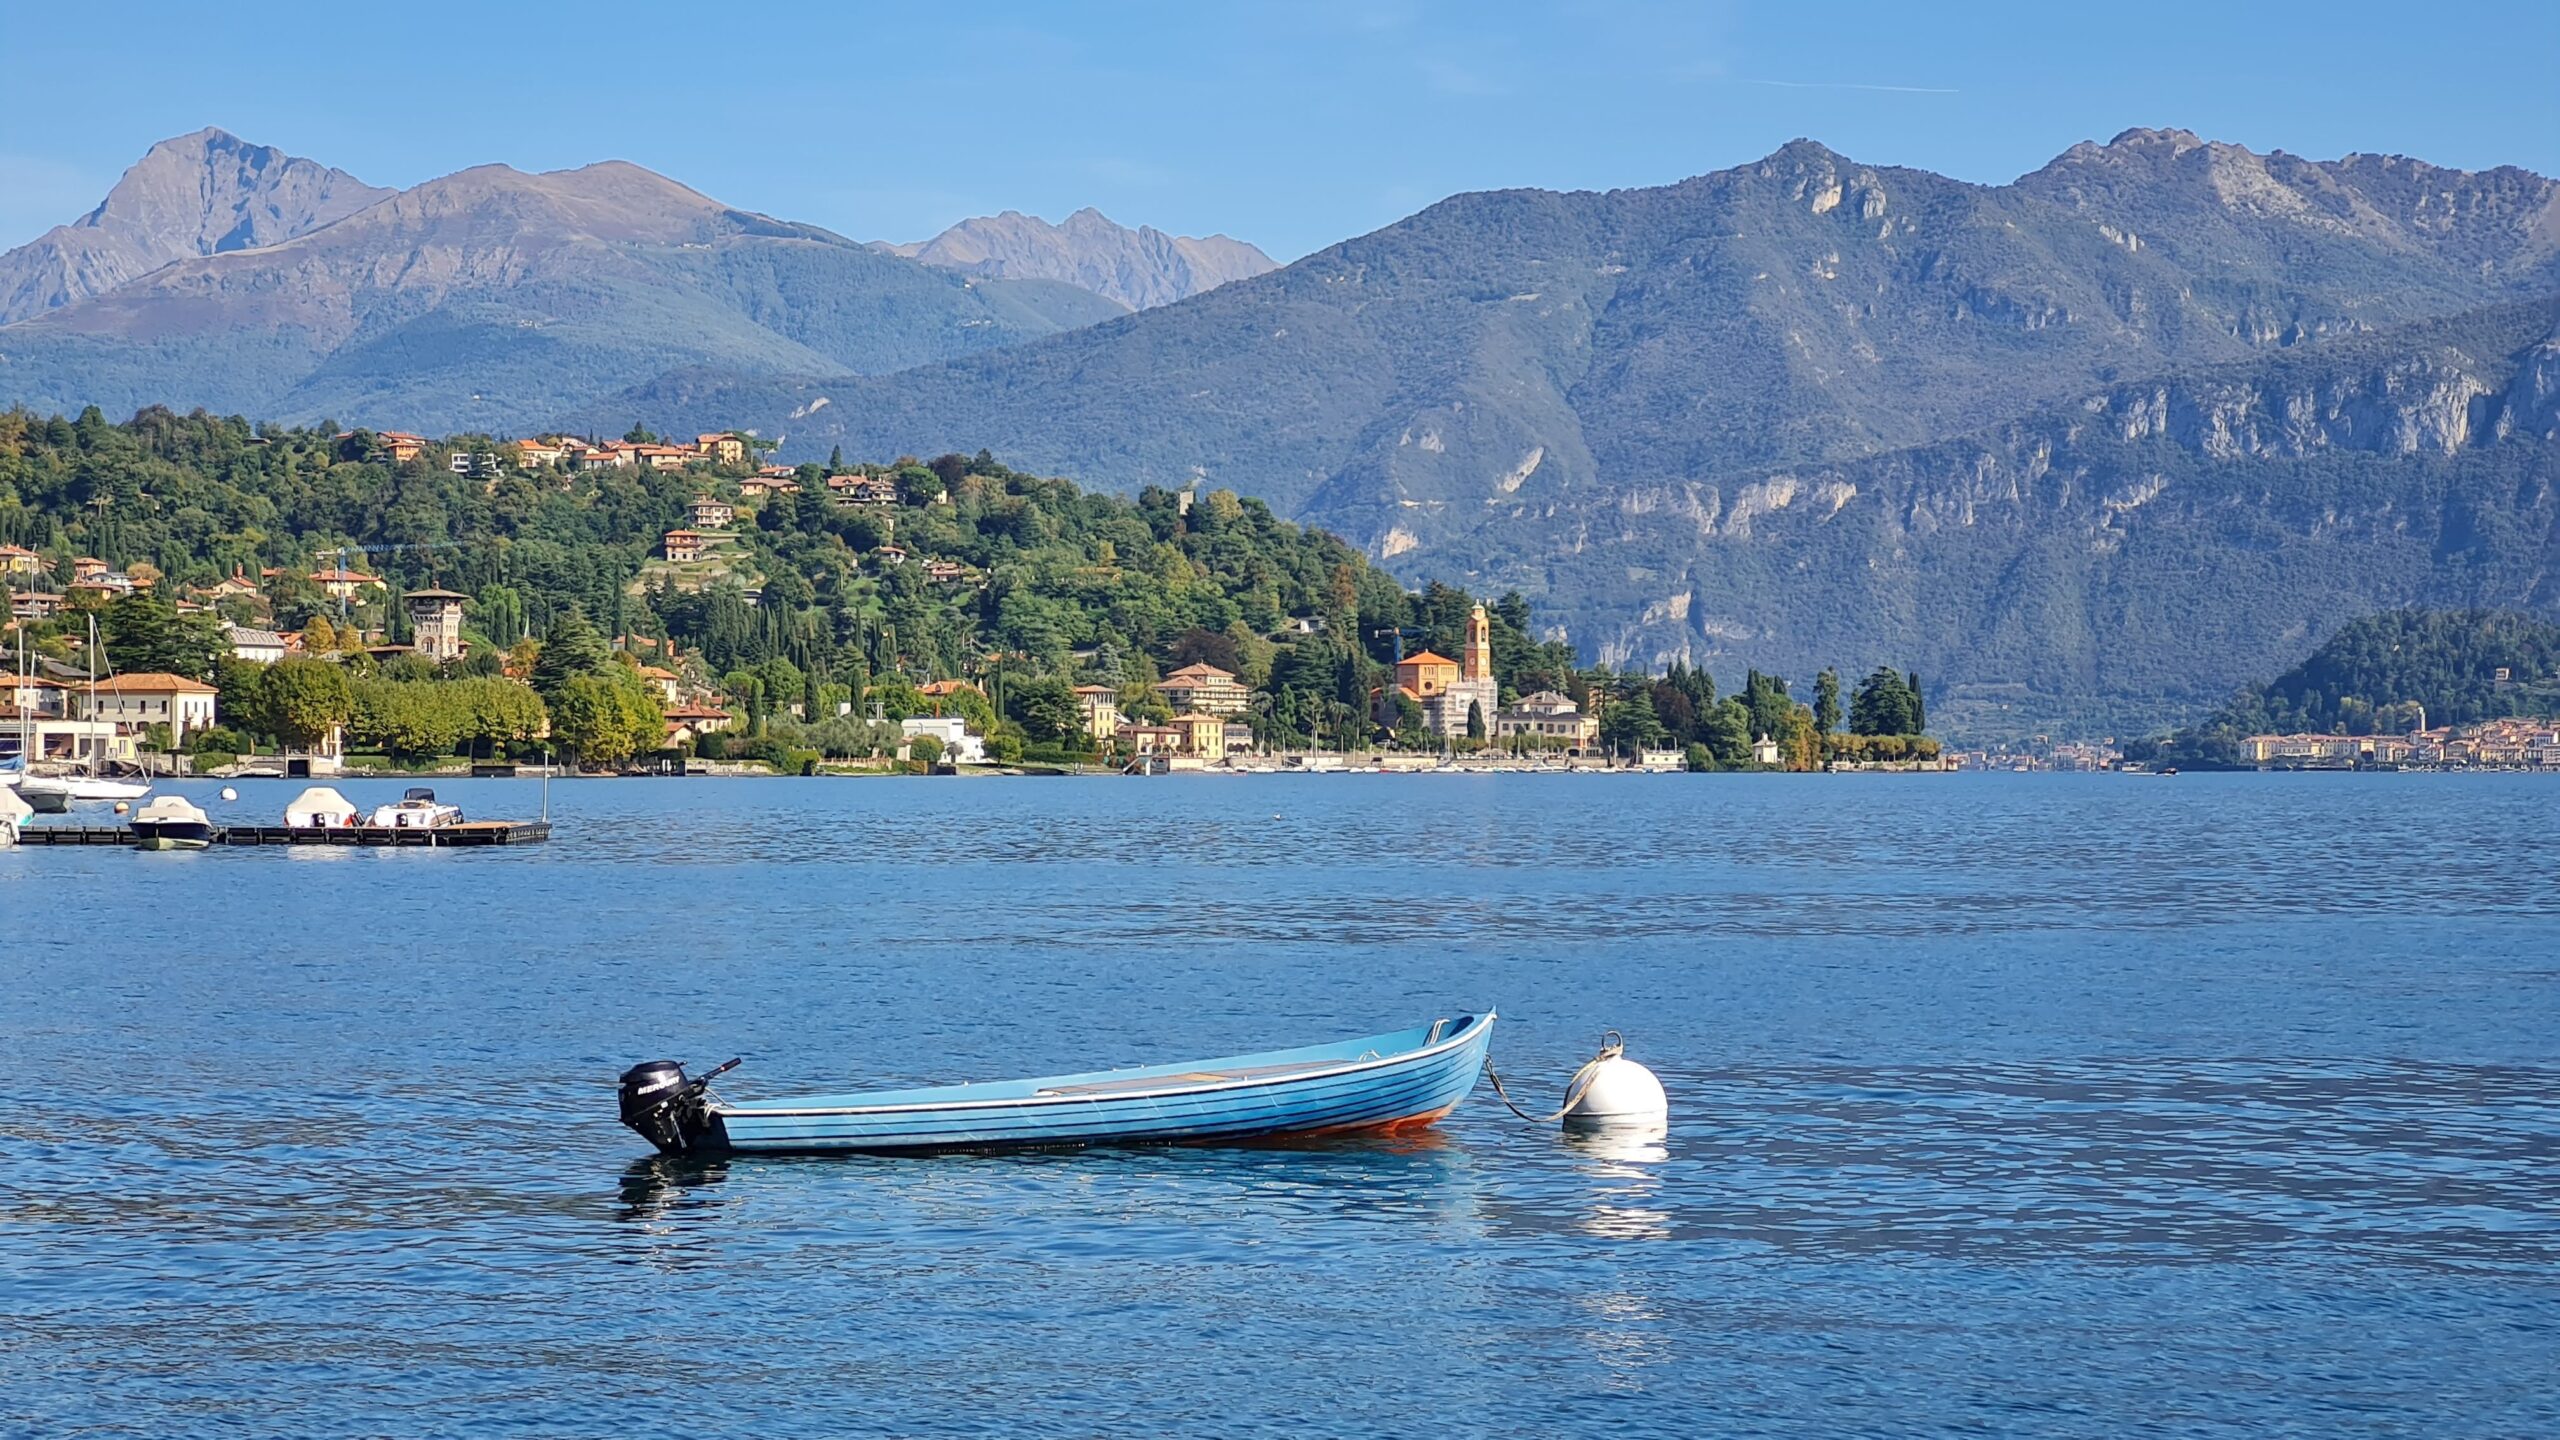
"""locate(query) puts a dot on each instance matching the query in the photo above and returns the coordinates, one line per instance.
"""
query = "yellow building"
(1100, 707)
(1204, 736)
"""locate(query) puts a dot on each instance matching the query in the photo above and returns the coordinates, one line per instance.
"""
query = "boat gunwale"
(1466, 1035)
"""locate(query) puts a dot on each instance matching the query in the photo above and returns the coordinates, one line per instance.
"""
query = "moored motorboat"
(320, 808)
(78, 789)
(171, 823)
(13, 813)
(417, 810)
(1375, 1084)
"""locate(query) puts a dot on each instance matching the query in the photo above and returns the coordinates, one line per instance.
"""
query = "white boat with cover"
(319, 808)
(171, 822)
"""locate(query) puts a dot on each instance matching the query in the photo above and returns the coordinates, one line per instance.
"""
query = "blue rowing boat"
(1377, 1084)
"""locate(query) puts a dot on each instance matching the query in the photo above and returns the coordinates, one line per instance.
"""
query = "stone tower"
(1476, 661)
(435, 620)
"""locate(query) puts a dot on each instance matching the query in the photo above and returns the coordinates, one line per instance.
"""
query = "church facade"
(1448, 689)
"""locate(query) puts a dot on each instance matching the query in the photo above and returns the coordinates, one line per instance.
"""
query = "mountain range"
(1742, 419)
(241, 279)
(2088, 449)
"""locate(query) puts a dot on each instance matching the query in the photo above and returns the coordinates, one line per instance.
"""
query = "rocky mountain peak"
(207, 193)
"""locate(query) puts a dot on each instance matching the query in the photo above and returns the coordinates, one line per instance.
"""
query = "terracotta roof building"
(1205, 688)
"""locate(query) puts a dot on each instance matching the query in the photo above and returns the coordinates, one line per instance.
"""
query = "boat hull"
(1377, 1084)
(78, 789)
(175, 835)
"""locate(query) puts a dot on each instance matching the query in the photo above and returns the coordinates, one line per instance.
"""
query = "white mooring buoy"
(1611, 1092)
(230, 794)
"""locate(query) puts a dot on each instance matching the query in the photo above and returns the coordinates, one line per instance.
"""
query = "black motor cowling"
(660, 1102)
(655, 1095)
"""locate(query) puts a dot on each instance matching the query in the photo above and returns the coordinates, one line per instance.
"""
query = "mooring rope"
(1611, 1047)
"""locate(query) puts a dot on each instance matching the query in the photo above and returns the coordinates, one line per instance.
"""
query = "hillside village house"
(608, 458)
(344, 584)
(1100, 707)
(32, 695)
(710, 514)
(666, 682)
(400, 445)
(534, 454)
(863, 489)
(1205, 688)
(682, 546)
(87, 567)
(35, 605)
(700, 719)
(102, 587)
(721, 449)
(945, 572)
(18, 560)
(151, 698)
(663, 457)
(759, 486)
(257, 647)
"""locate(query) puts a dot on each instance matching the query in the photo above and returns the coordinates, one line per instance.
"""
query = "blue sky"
(1291, 124)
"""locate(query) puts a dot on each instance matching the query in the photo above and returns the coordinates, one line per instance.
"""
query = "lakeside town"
(807, 619)
(716, 655)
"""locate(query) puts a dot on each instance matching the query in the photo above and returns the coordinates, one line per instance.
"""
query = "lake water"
(2002, 1105)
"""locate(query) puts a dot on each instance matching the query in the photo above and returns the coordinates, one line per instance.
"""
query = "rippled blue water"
(2051, 1105)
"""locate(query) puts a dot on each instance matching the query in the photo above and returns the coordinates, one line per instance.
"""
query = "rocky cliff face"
(1138, 268)
(203, 194)
(2120, 561)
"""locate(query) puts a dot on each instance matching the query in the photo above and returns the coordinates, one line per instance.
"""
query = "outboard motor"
(664, 1106)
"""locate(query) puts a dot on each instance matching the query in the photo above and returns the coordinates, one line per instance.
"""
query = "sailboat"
(55, 793)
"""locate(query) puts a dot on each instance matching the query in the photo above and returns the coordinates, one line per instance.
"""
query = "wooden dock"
(470, 832)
